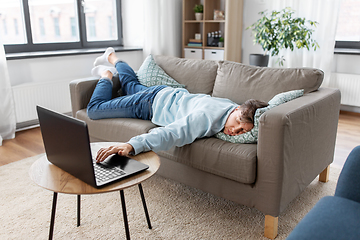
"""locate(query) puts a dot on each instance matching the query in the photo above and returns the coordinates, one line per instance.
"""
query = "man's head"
(241, 120)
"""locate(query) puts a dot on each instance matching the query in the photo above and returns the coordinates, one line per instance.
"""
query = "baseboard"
(351, 109)
(31, 123)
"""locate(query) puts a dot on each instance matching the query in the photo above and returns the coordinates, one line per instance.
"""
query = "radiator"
(53, 95)
(349, 85)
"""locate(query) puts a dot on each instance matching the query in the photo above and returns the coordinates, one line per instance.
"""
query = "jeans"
(137, 102)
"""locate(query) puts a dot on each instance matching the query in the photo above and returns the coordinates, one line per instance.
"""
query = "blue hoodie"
(183, 118)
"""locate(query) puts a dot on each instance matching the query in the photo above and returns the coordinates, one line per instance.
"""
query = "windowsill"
(57, 53)
(350, 51)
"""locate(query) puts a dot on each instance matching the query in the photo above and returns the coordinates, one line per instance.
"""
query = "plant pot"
(260, 60)
(199, 16)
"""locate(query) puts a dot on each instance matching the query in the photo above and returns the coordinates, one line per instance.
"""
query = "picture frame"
(219, 15)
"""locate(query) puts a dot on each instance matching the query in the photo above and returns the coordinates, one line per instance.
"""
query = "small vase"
(199, 16)
(260, 60)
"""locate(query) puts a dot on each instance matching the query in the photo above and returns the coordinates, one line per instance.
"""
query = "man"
(183, 117)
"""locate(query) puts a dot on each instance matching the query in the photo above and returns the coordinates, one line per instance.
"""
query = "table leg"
(145, 207)
(78, 209)
(124, 214)
(52, 221)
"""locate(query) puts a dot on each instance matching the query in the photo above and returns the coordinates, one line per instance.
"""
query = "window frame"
(83, 42)
(347, 44)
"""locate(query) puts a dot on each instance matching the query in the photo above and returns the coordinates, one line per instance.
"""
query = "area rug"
(176, 211)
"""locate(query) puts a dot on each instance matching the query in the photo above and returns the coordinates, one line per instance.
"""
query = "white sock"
(99, 70)
(103, 59)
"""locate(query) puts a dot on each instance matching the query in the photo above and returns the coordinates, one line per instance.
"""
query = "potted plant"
(221, 42)
(199, 9)
(279, 30)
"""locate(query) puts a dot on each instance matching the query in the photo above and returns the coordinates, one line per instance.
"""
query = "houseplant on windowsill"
(199, 9)
(279, 30)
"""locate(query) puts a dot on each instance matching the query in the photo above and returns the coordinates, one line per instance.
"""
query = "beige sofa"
(296, 139)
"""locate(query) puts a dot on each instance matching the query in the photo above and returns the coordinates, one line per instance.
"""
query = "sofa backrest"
(237, 81)
(197, 75)
(240, 82)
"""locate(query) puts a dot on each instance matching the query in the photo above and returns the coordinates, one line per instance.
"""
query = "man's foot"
(104, 59)
(98, 71)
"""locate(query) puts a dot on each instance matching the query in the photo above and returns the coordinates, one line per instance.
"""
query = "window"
(91, 28)
(41, 25)
(16, 27)
(348, 28)
(56, 27)
(73, 26)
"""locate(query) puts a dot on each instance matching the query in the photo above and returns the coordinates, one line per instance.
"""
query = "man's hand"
(123, 149)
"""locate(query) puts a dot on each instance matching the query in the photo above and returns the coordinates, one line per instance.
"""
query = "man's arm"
(178, 133)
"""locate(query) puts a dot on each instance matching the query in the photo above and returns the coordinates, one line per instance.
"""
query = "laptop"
(67, 145)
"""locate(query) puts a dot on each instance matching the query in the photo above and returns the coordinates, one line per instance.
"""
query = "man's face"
(234, 126)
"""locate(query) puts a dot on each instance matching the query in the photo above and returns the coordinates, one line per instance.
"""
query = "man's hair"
(248, 109)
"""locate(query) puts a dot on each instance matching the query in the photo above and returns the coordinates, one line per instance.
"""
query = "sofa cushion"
(240, 82)
(150, 74)
(252, 136)
(197, 75)
(115, 129)
(233, 161)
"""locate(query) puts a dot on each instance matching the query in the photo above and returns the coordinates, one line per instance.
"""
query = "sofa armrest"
(296, 142)
(81, 91)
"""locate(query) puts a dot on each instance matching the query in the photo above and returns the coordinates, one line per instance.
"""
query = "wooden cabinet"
(230, 27)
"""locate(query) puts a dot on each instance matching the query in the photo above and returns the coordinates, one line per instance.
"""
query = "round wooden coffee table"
(52, 178)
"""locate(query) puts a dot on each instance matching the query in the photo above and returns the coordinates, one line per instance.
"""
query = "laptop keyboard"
(104, 173)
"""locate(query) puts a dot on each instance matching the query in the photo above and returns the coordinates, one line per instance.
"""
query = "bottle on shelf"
(213, 38)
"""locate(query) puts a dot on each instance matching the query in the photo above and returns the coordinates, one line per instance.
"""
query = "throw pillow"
(151, 74)
(252, 136)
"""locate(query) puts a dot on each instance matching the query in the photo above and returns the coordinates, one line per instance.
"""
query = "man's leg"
(130, 106)
(128, 79)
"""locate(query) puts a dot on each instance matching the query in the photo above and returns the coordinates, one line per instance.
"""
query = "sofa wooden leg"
(271, 226)
(324, 175)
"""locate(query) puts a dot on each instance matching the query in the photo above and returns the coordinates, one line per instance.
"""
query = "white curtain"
(162, 27)
(325, 12)
(7, 109)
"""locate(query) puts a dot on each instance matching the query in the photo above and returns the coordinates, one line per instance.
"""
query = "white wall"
(345, 63)
(251, 14)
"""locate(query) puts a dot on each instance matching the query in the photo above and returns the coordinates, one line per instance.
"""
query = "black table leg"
(145, 207)
(78, 209)
(52, 221)
(124, 214)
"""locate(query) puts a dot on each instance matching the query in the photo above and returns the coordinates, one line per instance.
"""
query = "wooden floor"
(29, 143)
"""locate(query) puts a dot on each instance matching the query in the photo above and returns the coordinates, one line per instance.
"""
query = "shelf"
(204, 21)
(230, 27)
(206, 47)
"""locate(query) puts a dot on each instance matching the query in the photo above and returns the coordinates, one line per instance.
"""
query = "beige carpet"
(176, 211)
